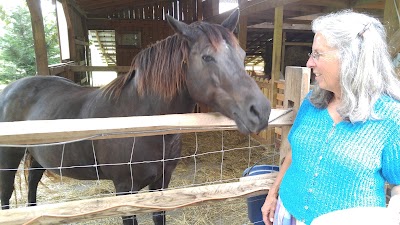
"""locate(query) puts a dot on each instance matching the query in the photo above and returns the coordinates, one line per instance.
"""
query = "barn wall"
(148, 20)
(78, 39)
(184, 10)
(150, 32)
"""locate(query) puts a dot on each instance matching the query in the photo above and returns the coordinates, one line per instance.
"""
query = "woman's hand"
(268, 209)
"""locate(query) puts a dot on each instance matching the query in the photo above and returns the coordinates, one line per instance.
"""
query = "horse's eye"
(208, 58)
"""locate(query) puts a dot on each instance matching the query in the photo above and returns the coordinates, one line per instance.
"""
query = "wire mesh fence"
(207, 158)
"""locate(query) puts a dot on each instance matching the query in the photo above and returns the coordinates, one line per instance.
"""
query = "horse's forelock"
(217, 33)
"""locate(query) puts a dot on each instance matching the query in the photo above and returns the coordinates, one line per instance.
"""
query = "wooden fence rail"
(66, 130)
(127, 205)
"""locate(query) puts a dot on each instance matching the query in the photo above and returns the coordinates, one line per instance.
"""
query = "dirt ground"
(208, 164)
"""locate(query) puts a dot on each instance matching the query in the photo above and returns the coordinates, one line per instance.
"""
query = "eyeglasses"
(315, 55)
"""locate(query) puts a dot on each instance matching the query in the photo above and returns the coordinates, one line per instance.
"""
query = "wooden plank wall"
(184, 10)
(78, 39)
(149, 20)
(151, 32)
(265, 135)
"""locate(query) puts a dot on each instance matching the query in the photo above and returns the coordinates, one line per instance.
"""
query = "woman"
(345, 140)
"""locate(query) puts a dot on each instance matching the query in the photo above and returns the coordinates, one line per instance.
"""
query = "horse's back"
(41, 97)
(48, 98)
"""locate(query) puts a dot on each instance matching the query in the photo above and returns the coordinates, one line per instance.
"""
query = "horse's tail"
(28, 159)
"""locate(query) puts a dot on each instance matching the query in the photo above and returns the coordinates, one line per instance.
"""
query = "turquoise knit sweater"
(340, 166)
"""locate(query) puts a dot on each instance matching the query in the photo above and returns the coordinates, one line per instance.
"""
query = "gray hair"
(366, 71)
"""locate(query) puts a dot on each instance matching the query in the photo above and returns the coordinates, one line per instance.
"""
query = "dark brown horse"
(202, 62)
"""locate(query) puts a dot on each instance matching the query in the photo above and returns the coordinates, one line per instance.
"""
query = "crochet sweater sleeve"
(391, 155)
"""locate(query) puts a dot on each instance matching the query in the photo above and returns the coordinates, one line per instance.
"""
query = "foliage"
(17, 54)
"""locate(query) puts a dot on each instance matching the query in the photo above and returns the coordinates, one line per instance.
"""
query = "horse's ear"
(179, 27)
(231, 22)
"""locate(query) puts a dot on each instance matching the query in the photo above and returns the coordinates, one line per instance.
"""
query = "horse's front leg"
(160, 184)
(35, 175)
(125, 188)
(158, 217)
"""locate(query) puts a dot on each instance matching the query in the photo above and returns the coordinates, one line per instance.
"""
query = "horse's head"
(216, 74)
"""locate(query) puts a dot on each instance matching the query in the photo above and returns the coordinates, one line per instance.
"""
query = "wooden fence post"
(297, 85)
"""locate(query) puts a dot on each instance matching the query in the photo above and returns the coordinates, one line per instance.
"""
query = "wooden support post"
(38, 37)
(392, 25)
(297, 85)
(283, 50)
(71, 32)
(199, 10)
(276, 64)
(243, 31)
(276, 52)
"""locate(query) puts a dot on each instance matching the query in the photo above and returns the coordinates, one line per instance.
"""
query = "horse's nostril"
(254, 111)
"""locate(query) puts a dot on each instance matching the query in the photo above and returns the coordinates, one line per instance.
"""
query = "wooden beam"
(394, 43)
(328, 3)
(369, 4)
(297, 43)
(77, 8)
(126, 205)
(70, 28)
(79, 42)
(199, 10)
(119, 69)
(111, 24)
(251, 7)
(58, 69)
(276, 51)
(38, 37)
(243, 32)
(283, 51)
(51, 131)
(301, 21)
(392, 25)
(285, 26)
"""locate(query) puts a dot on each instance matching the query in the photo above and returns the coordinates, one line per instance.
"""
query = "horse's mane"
(161, 68)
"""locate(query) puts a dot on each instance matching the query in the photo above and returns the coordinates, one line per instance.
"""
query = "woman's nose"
(310, 63)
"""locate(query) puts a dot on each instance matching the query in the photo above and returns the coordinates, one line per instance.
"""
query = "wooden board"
(68, 130)
(126, 205)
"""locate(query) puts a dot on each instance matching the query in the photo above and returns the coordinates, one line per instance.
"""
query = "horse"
(200, 63)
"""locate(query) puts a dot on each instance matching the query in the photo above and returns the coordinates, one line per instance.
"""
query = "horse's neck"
(182, 103)
(155, 105)
(131, 104)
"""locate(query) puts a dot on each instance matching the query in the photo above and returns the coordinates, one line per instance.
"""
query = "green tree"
(17, 54)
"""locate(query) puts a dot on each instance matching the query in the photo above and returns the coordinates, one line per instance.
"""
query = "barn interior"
(274, 33)
(268, 31)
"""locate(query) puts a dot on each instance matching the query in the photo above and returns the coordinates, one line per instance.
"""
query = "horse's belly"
(70, 161)
(78, 173)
